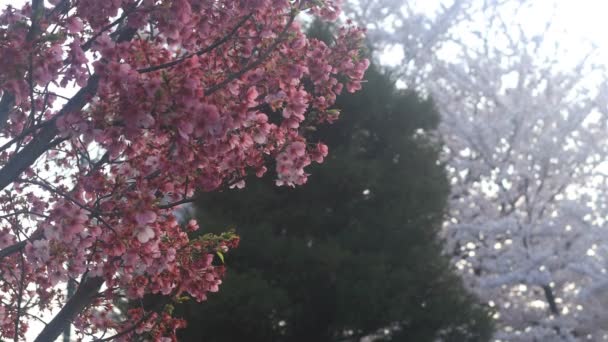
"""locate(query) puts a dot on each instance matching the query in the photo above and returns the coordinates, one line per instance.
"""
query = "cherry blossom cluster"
(114, 113)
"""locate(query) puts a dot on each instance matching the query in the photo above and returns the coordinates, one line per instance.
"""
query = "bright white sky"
(575, 22)
(585, 18)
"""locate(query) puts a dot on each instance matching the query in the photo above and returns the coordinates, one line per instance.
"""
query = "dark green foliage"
(354, 250)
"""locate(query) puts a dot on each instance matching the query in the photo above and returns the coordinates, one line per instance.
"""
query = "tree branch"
(10, 250)
(84, 295)
(8, 99)
(26, 157)
(19, 298)
(37, 13)
(156, 308)
(551, 299)
(200, 52)
(87, 45)
(7, 102)
(175, 204)
(257, 62)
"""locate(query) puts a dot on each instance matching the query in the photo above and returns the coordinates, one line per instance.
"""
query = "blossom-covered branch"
(114, 113)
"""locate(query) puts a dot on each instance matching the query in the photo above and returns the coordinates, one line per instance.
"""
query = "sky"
(575, 24)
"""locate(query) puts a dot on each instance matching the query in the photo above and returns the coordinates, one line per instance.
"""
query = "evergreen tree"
(354, 252)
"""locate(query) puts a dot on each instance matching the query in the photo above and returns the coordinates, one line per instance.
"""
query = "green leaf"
(221, 255)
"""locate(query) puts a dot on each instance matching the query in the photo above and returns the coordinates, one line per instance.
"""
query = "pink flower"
(185, 129)
(74, 25)
(145, 234)
(52, 232)
(297, 149)
(164, 134)
(319, 153)
(145, 217)
(239, 185)
(259, 137)
(57, 274)
(39, 250)
(6, 239)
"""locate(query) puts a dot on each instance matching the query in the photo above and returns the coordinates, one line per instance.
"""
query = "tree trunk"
(84, 296)
(67, 332)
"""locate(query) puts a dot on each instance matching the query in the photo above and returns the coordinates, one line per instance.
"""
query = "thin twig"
(257, 62)
(19, 297)
(200, 52)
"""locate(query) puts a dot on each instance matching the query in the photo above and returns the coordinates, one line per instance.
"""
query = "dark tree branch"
(257, 62)
(37, 13)
(158, 306)
(87, 45)
(62, 8)
(85, 294)
(10, 250)
(42, 142)
(175, 204)
(7, 102)
(21, 212)
(200, 52)
(126, 331)
(19, 298)
(8, 99)
(30, 153)
(551, 299)
(22, 135)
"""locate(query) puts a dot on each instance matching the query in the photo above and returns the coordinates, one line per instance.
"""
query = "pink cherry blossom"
(144, 234)
(74, 25)
(164, 106)
(145, 217)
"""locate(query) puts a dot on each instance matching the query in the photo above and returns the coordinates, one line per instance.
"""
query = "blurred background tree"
(355, 252)
(524, 116)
